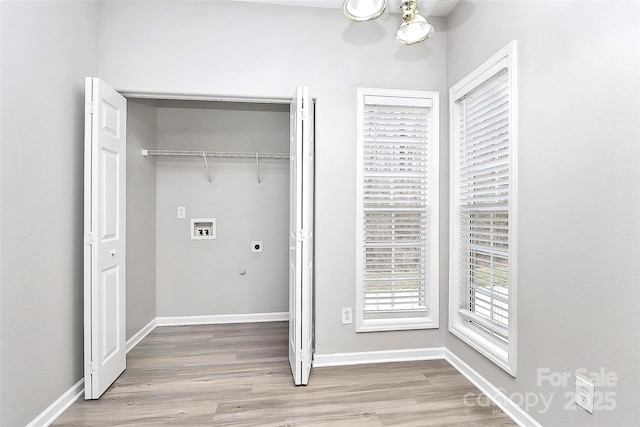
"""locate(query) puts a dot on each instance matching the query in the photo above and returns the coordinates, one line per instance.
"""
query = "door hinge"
(91, 368)
(300, 356)
(302, 112)
(302, 235)
(88, 239)
(92, 107)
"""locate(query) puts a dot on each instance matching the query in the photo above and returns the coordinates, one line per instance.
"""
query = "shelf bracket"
(258, 168)
(206, 166)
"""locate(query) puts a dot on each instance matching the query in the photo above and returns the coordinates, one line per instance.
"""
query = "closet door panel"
(105, 214)
(301, 237)
(295, 223)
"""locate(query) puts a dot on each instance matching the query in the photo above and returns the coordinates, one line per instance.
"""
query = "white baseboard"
(337, 359)
(222, 318)
(139, 336)
(49, 415)
(501, 400)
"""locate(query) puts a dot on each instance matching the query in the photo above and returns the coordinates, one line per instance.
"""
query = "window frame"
(397, 320)
(460, 319)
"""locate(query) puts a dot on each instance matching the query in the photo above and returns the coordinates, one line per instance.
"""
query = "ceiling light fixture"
(414, 29)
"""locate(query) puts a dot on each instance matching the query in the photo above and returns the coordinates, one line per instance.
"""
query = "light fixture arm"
(409, 9)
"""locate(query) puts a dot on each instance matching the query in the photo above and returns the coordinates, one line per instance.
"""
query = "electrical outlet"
(347, 317)
(584, 394)
(182, 212)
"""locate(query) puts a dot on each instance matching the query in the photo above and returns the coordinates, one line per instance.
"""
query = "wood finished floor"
(238, 375)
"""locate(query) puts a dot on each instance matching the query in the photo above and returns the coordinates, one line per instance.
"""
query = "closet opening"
(212, 222)
(219, 168)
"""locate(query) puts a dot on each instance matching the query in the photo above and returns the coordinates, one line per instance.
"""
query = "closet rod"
(214, 154)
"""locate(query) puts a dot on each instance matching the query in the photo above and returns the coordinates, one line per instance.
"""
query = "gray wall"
(201, 277)
(141, 216)
(252, 50)
(579, 198)
(47, 50)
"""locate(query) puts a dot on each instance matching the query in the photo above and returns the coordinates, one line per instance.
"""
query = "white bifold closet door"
(301, 236)
(104, 234)
(105, 237)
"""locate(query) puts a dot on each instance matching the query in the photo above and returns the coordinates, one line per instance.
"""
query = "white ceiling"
(426, 7)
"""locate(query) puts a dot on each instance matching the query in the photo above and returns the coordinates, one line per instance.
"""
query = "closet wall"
(141, 215)
(202, 277)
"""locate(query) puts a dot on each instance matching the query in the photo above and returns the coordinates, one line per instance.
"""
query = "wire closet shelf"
(214, 154)
(217, 155)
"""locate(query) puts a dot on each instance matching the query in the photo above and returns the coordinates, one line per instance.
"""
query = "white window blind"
(483, 208)
(484, 203)
(396, 208)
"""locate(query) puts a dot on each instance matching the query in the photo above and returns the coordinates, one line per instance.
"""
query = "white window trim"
(503, 355)
(431, 318)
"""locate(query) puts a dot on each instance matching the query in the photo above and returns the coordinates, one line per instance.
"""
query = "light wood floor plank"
(239, 375)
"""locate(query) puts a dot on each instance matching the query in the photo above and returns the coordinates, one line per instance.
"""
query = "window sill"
(497, 353)
(378, 325)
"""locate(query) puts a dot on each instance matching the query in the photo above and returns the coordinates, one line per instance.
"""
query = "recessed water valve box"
(203, 229)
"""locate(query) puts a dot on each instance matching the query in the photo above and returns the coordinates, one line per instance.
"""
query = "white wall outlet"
(584, 394)
(257, 246)
(347, 316)
(182, 212)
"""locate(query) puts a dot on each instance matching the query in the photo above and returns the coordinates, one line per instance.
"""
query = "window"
(483, 205)
(397, 213)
